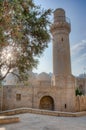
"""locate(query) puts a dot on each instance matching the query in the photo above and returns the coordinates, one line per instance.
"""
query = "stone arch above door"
(46, 103)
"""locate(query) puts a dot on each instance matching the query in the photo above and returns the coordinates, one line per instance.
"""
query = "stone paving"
(43, 122)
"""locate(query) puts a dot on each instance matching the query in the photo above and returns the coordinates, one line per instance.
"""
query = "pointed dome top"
(59, 15)
(59, 9)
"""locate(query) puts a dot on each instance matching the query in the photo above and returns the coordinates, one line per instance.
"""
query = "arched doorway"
(47, 103)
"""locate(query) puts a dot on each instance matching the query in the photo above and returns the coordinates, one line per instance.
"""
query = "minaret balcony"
(61, 23)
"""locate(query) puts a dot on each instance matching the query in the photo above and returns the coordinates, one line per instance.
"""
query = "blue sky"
(76, 11)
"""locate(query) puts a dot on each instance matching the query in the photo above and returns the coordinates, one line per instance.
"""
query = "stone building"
(45, 92)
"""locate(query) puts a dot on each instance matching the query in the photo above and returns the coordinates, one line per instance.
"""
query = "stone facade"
(32, 97)
(43, 92)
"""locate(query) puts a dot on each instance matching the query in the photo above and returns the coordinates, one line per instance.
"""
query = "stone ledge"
(41, 112)
(8, 119)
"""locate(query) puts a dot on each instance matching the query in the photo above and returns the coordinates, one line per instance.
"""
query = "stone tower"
(61, 48)
(62, 78)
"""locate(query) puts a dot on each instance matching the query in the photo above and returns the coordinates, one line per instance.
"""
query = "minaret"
(62, 80)
(61, 48)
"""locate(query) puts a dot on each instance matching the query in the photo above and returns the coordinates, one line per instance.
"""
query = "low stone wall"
(80, 103)
(41, 112)
(8, 119)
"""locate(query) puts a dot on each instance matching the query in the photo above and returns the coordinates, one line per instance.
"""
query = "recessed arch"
(46, 103)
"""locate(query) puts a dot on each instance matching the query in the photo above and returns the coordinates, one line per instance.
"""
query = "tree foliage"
(78, 92)
(24, 34)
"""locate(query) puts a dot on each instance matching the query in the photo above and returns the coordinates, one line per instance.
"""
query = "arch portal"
(46, 103)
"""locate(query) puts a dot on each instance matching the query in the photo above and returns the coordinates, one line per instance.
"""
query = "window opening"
(18, 97)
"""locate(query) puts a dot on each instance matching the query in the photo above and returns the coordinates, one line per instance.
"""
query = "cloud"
(81, 59)
(78, 64)
(78, 54)
(79, 48)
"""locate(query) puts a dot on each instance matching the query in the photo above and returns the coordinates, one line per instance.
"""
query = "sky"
(76, 11)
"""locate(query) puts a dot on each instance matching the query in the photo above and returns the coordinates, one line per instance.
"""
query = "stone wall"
(80, 103)
(10, 100)
(66, 92)
(31, 97)
(1, 98)
(9, 113)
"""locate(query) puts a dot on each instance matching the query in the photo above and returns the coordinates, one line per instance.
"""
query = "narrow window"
(18, 97)
(62, 39)
(65, 106)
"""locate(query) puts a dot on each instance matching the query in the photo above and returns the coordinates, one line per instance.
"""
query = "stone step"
(9, 119)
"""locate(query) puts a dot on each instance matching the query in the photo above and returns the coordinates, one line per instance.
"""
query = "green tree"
(24, 34)
(78, 92)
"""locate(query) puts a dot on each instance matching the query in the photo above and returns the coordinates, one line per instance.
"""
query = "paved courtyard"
(43, 122)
